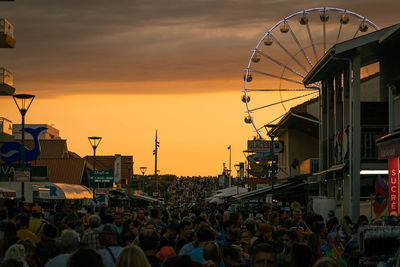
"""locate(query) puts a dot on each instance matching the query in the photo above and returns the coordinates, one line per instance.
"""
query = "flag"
(381, 192)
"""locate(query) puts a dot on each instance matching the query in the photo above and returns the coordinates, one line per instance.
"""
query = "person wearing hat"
(109, 238)
(36, 223)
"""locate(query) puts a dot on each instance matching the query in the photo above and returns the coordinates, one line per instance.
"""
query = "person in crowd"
(155, 218)
(204, 234)
(299, 224)
(91, 237)
(169, 237)
(85, 257)
(109, 239)
(332, 221)
(317, 241)
(24, 232)
(264, 233)
(30, 248)
(16, 252)
(211, 253)
(36, 222)
(132, 256)
(141, 216)
(185, 235)
(129, 232)
(46, 248)
(232, 231)
(263, 255)
(68, 244)
(10, 235)
(118, 221)
(266, 212)
(232, 255)
(148, 242)
(289, 238)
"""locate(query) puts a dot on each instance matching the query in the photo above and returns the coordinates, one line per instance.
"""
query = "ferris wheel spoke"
(279, 63)
(301, 48)
(312, 42)
(289, 54)
(274, 76)
(280, 102)
(271, 122)
(281, 90)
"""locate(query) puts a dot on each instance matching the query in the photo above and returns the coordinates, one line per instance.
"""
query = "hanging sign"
(394, 186)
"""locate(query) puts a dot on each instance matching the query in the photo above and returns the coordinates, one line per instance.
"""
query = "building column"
(356, 141)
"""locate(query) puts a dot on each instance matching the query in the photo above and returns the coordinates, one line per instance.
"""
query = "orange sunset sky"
(122, 69)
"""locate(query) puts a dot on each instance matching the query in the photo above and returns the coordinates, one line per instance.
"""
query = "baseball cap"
(331, 213)
(36, 209)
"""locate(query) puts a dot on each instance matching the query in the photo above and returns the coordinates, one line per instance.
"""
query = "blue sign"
(11, 151)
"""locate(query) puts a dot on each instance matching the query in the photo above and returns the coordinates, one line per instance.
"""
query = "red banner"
(394, 186)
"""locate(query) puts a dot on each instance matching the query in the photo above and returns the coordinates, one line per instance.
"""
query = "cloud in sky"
(138, 43)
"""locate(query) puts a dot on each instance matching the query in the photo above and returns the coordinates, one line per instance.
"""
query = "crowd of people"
(175, 234)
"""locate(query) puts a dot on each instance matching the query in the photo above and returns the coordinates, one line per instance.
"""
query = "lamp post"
(130, 169)
(94, 142)
(143, 170)
(228, 173)
(25, 102)
(237, 167)
(230, 157)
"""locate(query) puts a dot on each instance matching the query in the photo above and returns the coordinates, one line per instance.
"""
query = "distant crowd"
(175, 234)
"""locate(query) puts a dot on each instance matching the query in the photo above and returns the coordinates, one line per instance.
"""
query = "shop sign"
(22, 175)
(264, 146)
(394, 186)
(102, 176)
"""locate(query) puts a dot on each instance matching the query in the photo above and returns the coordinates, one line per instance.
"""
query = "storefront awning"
(334, 168)
(268, 190)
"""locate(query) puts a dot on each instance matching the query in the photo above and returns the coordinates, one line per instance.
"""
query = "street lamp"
(143, 170)
(25, 102)
(237, 167)
(94, 142)
(130, 169)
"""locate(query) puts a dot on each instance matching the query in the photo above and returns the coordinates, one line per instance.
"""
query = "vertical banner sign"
(117, 169)
(394, 186)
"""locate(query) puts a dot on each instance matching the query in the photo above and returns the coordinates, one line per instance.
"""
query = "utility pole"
(157, 144)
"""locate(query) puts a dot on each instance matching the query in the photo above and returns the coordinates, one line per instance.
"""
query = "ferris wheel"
(286, 53)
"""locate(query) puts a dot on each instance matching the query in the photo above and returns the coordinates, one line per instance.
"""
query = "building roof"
(68, 171)
(298, 118)
(368, 47)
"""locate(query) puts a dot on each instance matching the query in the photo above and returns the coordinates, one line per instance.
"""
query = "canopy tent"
(226, 193)
(7, 193)
(62, 191)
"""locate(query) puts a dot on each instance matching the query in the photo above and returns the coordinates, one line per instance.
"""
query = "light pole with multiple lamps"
(25, 101)
(94, 142)
(143, 170)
